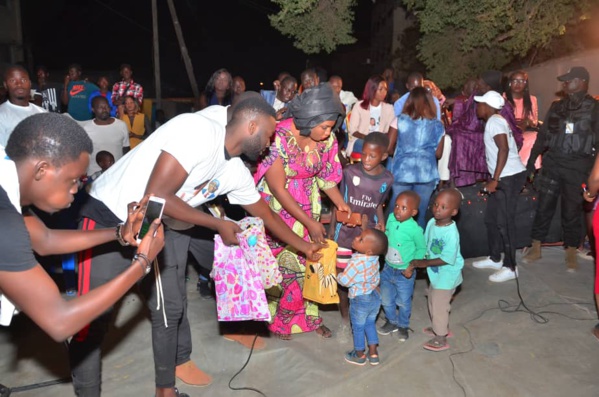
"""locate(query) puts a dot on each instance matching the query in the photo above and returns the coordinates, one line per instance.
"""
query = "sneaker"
(402, 334)
(344, 334)
(373, 359)
(503, 274)
(585, 254)
(387, 328)
(487, 263)
(205, 290)
(353, 358)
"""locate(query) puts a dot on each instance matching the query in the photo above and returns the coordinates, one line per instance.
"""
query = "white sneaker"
(503, 274)
(487, 263)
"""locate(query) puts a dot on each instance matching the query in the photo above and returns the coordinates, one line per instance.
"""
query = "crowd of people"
(381, 162)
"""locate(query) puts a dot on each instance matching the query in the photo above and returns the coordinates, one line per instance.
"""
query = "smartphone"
(154, 210)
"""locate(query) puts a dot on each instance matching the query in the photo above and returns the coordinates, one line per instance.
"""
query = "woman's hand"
(317, 231)
(153, 241)
(311, 251)
(228, 232)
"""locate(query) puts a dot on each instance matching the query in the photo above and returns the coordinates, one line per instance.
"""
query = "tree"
(462, 38)
(316, 25)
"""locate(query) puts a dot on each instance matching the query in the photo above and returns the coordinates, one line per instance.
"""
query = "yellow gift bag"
(320, 282)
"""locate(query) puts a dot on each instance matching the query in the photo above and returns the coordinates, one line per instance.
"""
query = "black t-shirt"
(16, 254)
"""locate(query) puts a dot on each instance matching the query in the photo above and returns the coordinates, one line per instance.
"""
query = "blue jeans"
(363, 310)
(424, 190)
(397, 291)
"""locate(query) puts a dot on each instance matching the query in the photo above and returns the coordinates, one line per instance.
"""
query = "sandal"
(437, 344)
(283, 336)
(324, 332)
(429, 331)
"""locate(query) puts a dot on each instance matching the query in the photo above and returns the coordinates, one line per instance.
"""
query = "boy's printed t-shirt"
(363, 193)
(444, 242)
(406, 242)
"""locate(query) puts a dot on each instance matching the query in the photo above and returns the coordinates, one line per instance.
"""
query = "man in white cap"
(508, 175)
(568, 140)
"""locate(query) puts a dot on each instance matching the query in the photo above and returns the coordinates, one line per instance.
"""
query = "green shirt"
(406, 242)
(444, 242)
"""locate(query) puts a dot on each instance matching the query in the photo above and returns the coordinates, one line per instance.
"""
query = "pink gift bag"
(239, 273)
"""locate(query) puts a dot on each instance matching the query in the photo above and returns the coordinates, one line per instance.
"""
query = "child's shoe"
(437, 344)
(387, 328)
(353, 358)
(402, 334)
(373, 359)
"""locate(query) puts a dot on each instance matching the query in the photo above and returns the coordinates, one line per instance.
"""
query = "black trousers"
(553, 183)
(500, 218)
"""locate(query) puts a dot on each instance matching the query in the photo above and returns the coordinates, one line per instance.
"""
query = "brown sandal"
(283, 336)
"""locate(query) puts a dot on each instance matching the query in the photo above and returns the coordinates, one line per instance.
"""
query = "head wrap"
(314, 106)
(493, 79)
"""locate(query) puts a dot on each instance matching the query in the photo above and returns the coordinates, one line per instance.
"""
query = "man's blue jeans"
(363, 310)
(397, 292)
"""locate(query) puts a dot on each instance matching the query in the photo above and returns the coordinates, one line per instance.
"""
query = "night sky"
(102, 34)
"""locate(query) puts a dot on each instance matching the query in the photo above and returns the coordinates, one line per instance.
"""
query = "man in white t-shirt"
(106, 133)
(17, 107)
(187, 161)
(508, 177)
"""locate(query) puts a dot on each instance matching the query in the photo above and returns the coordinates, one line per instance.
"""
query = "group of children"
(404, 245)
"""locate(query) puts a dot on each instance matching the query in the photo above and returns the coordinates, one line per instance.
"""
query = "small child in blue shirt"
(361, 276)
(443, 264)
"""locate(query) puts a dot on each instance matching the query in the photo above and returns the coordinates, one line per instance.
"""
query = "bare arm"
(276, 179)
(392, 140)
(166, 179)
(36, 294)
(502, 145)
(47, 241)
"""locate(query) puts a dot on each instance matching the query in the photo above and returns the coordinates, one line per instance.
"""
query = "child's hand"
(408, 272)
(418, 263)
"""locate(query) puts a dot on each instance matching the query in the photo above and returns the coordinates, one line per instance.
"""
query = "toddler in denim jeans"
(361, 276)
(406, 243)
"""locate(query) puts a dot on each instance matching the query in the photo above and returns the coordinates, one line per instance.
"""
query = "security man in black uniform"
(568, 141)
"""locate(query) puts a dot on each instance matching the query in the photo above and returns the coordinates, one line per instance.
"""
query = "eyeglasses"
(518, 81)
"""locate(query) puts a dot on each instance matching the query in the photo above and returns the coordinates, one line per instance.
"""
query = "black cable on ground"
(242, 368)
(506, 307)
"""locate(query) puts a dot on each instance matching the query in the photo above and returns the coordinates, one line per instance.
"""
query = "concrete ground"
(499, 348)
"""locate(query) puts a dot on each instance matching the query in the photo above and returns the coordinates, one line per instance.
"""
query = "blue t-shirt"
(79, 92)
(444, 242)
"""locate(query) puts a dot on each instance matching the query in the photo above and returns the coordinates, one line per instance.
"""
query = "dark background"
(234, 34)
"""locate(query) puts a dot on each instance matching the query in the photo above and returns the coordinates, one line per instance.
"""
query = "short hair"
(43, 68)
(377, 138)
(251, 106)
(289, 78)
(125, 65)
(75, 66)
(18, 67)
(412, 195)
(456, 196)
(381, 243)
(48, 136)
(103, 154)
(99, 98)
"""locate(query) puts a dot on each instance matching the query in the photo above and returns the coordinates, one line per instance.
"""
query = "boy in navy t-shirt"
(365, 187)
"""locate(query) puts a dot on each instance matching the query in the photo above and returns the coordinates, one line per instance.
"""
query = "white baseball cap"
(491, 98)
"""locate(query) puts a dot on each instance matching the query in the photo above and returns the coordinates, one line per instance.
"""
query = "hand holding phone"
(355, 219)
(153, 211)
